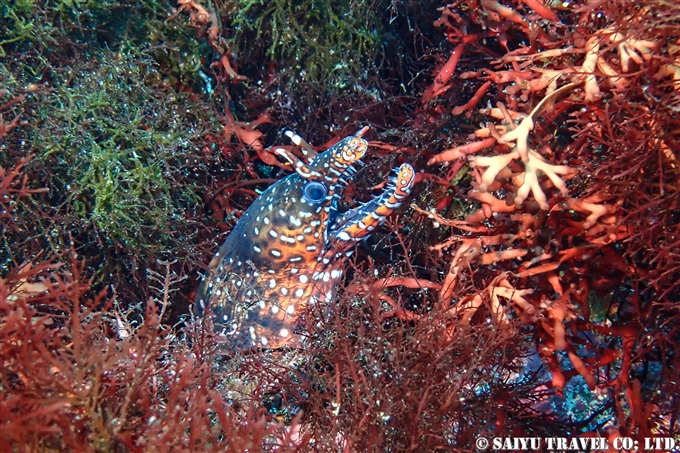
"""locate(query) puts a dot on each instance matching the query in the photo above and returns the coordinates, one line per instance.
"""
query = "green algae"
(115, 134)
(108, 133)
(317, 43)
(118, 146)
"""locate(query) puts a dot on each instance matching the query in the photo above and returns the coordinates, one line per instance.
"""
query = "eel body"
(288, 249)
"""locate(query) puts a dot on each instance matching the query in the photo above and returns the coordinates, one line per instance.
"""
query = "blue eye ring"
(314, 192)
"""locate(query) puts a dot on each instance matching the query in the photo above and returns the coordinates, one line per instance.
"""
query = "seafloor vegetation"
(529, 289)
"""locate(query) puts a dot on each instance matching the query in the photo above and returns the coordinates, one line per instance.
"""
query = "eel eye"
(314, 192)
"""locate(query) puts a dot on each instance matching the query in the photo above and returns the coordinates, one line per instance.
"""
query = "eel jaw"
(356, 224)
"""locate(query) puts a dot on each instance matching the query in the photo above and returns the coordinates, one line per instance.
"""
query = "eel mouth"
(345, 177)
(357, 223)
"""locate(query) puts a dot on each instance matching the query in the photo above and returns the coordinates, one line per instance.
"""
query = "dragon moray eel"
(289, 247)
